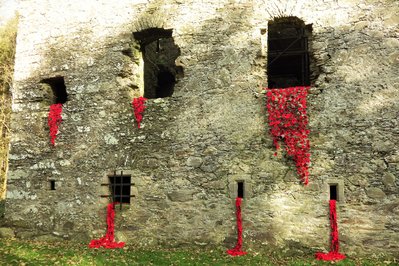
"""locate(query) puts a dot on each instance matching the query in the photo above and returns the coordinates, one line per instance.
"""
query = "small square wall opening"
(335, 189)
(240, 189)
(334, 192)
(52, 184)
(58, 88)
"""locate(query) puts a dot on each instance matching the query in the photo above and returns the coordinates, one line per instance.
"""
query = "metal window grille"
(288, 59)
(119, 187)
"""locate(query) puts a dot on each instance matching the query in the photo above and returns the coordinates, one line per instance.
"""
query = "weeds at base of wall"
(8, 34)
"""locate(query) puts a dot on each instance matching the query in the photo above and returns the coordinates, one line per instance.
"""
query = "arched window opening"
(159, 54)
(288, 53)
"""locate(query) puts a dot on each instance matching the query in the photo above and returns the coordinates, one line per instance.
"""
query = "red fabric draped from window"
(108, 241)
(139, 107)
(288, 123)
(236, 251)
(334, 248)
(54, 120)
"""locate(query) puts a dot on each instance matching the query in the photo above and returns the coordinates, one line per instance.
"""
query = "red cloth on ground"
(334, 248)
(108, 241)
(236, 251)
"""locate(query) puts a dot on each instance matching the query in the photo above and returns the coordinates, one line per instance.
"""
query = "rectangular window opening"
(120, 188)
(58, 88)
(159, 53)
(240, 189)
(334, 192)
(288, 53)
(52, 184)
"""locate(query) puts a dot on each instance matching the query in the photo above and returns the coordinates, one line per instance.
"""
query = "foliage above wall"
(288, 123)
(8, 35)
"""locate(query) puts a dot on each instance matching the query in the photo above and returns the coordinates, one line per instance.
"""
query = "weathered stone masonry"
(195, 145)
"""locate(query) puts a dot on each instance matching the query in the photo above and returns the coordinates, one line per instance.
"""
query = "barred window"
(288, 53)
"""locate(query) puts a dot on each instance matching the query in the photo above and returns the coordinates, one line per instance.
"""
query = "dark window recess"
(58, 87)
(240, 189)
(333, 192)
(159, 54)
(166, 82)
(288, 55)
(52, 184)
(119, 187)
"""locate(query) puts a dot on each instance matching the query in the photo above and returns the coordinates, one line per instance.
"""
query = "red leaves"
(288, 121)
(139, 107)
(236, 251)
(108, 241)
(334, 248)
(54, 120)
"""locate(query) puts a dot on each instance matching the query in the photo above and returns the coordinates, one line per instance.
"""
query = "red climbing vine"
(54, 120)
(236, 251)
(139, 107)
(108, 241)
(334, 248)
(288, 122)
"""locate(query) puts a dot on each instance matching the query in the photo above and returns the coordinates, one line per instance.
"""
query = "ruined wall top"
(93, 23)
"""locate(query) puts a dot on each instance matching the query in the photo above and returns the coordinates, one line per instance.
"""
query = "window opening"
(120, 188)
(333, 192)
(159, 53)
(52, 184)
(288, 55)
(58, 87)
(240, 189)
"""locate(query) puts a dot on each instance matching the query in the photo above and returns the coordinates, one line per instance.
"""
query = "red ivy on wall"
(288, 122)
(54, 120)
(108, 241)
(139, 107)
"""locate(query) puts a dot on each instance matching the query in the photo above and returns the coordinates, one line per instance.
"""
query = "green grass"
(18, 252)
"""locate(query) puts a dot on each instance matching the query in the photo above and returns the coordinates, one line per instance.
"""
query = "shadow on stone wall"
(353, 131)
(2, 211)
(348, 140)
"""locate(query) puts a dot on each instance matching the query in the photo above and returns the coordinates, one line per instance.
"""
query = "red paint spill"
(334, 248)
(236, 251)
(54, 120)
(108, 241)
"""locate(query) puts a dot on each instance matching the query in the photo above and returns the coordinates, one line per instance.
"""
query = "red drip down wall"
(54, 120)
(334, 248)
(108, 241)
(236, 251)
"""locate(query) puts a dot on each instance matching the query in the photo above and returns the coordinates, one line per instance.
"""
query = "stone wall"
(193, 147)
